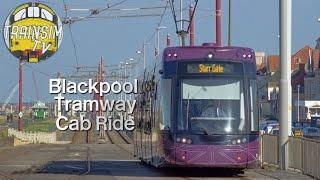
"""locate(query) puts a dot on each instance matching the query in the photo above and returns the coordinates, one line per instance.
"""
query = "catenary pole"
(285, 82)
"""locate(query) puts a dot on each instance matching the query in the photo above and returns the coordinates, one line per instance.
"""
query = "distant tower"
(318, 43)
(318, 47)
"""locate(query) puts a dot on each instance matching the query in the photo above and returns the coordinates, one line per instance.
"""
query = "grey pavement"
(105, 161)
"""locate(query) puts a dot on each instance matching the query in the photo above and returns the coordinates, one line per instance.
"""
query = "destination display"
(211, 68)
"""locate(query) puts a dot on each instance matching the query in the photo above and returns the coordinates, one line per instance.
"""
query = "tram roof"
(206, 51)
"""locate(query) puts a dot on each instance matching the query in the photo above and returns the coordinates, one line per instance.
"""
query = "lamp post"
(298, 108)
(158, 40)
(229, 24)
(144, 54)
(285, 82)
(121, 75)
(130, 74)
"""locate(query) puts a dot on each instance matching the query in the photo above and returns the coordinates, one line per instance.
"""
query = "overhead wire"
(121, 9)
(173, 11)
(38, 71)
(175, 18)
(122, 16)
(71, 35)
(174, 15)
(155, 31)
(100, 11)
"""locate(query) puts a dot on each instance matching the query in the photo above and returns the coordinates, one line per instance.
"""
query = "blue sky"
(255, 24)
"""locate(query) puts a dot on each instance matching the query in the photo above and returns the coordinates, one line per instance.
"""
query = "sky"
(255, 24)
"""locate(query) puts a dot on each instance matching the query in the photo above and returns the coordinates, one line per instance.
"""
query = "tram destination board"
(211, 68)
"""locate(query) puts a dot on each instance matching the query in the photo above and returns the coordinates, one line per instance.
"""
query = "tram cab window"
(20, 15)
(33, 12)
(46, 15)
(254, 120)
(212, 106)
(165, 103)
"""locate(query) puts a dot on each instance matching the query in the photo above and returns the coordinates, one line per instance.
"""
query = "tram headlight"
(244, 140)
(183, 140)
(238, 141)
(210, 55)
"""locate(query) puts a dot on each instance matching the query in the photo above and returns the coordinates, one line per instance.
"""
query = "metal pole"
(285, 82)
(125, 76)
(218, 22)
(168, 40)
(144, 56)
(192, 26)
(181, 24)
(158, 41)
(229, 25)
(20, 123)
(298, 109)
(101, 113)
(121, 77)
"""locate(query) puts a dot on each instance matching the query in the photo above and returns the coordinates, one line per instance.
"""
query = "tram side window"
(33, 12)
(46, 15)
(165, 104)
(20, 15)
(253, 108)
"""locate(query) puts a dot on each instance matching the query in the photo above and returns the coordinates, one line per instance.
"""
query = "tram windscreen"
(212, 106)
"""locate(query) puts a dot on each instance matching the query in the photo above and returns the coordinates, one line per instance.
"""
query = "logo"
(33, 32)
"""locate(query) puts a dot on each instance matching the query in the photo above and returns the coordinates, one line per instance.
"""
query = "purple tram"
(198, 108)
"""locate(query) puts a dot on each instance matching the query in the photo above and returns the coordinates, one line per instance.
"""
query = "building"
(307, 109)
(304, 74)
(308, 56)
(39, 110)
(261, 62)
(309, 100)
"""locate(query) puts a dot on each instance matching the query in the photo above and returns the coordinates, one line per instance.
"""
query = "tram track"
(111, 138)
(123, 137)
(117, 137)
(6, 176)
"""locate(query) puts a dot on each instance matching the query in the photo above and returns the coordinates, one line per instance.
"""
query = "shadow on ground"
(130, 169)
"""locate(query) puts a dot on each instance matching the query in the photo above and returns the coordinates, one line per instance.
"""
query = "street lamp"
(144, 54)
(158, 41)
(122, 66)
(298, 108)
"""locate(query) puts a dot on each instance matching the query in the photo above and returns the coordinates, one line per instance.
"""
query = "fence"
(304, 154)
(33, 137)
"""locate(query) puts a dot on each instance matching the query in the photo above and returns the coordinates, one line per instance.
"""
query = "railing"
(269, 148)
(33, 137)
(304, 154)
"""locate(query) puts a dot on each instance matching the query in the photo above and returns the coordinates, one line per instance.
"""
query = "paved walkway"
(105, 161)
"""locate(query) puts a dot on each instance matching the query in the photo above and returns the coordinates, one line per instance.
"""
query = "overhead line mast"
(182, 33)
(218, 23)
